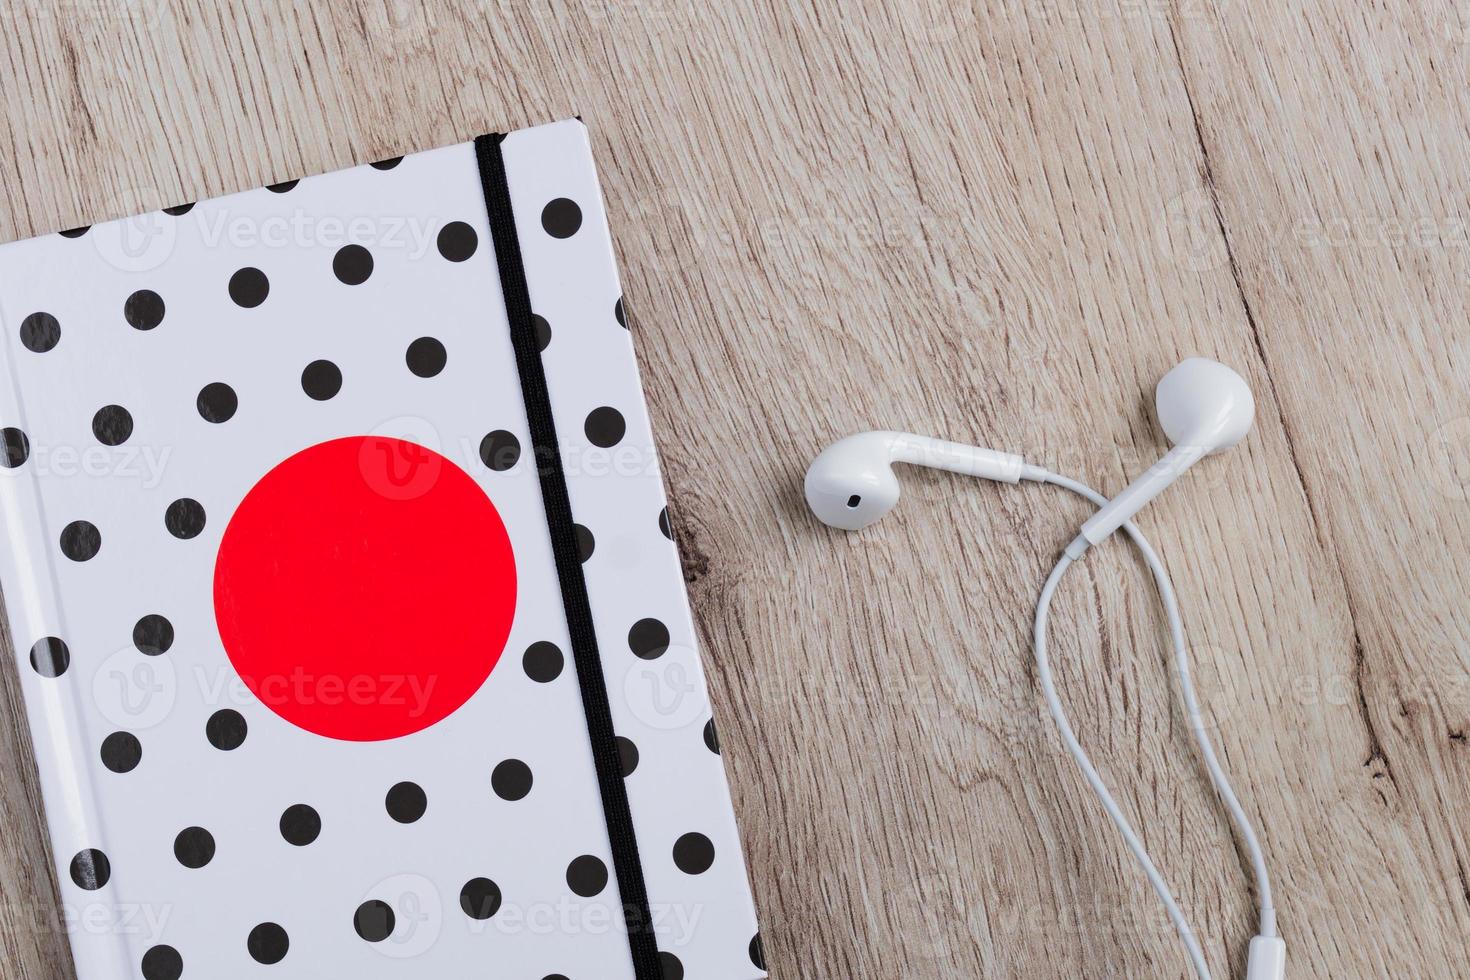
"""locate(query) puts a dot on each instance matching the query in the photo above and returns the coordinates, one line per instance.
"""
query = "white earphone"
(1204, 408)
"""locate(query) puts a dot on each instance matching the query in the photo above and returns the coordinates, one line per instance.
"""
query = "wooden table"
(999, 223)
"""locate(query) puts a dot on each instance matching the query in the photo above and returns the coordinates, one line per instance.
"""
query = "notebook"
(344, 595)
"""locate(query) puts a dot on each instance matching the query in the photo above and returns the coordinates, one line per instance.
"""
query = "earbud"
(1204, 407)
(852, 483)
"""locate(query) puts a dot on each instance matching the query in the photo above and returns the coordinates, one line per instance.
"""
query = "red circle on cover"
(364, 588)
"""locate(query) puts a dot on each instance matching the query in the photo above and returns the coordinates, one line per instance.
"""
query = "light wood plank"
(998, 223)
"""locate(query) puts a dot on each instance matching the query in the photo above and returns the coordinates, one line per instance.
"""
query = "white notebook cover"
(280, 577)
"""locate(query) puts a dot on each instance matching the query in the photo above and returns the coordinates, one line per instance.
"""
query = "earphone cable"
(1196, 723)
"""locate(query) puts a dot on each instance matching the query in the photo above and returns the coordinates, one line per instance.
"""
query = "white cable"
(1196, 724)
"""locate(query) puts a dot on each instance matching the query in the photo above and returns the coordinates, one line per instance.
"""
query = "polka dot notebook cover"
(351, 630)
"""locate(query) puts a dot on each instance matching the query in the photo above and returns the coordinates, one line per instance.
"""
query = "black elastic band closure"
(626, 864)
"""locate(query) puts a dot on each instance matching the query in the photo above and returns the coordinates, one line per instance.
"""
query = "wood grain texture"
(998, 223)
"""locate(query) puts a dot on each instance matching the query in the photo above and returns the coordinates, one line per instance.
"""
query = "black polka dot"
(648, 639)
(112, 425)
(184, 518)
(80, 540)
(74, 232)
(511, 780)
(300, 825)
(217, 402)
(194, 847)
(121, 752)
(153, 635)
(457, 241)
(249, 287)
(283, 186)
(90, 869)
(543, 331)
(16, 445)
(426, 357)
(711, 737)
(561, 218)
(226, 729)
(664, 525)
(587, 876)
(387, 164)
(586, 543)
(321, 380)
(555, 976)
(627, 755)
(757, 952)
(143, 310)
(543, 661)
(352, 264)
(406, 802)
(619, 314)
(500, 450)
(268, 943)
(374, 920)
(480, 898)
(40, 332)
(179, 209)
(605, 427)
(162, 963)
(694, 854)
(50, 656)
(671, 966)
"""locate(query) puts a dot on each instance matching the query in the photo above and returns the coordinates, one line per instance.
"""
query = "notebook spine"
(53, 704)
